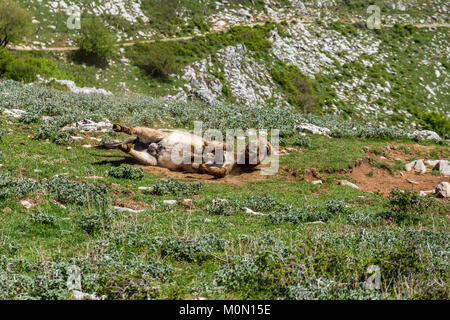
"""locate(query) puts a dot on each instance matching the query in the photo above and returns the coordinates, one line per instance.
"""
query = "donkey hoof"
(117, 127)
(125, 147)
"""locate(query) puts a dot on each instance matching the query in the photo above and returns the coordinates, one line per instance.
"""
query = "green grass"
(188, 253)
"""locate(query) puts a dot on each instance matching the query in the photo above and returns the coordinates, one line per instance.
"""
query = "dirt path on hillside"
(215, 29)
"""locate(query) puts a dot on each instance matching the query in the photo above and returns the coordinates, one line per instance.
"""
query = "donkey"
(168, 149)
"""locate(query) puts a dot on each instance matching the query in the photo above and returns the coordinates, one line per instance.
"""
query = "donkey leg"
(142, 157)
(143, 133)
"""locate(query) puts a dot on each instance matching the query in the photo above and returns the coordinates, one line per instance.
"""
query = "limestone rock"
(443, 190)
(348, 183)
(419, 166)
(313, 129)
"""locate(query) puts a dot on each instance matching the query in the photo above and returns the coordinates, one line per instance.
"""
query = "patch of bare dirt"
(237, 176)
(371, 179)
(129, 203)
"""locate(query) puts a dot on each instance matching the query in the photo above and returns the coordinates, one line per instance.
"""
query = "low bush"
(126, 172)
(409, 201)
(176, 187)
(42, 218)
(96, 43)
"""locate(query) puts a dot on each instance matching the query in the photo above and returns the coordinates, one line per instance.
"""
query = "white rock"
(425, 134)
(170, 202)
(443, 166)
(317, 182)
(250, 211)
(313, 129)
(16, 113)
(127, 209)
(419, 166)
(431, 162)
(410, 166)
(146, 188)
(348, 183)
(26, 204)
(443, 190)
(89, 125)
(79, 295)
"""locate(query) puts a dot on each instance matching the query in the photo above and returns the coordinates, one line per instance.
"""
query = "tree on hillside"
(96, 43)
(15, 22)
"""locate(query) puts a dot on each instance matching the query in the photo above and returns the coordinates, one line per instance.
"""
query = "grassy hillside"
(312, 241)
(138, 232)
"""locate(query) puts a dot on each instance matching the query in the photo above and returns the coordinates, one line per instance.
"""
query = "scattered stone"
(95, 177)
(188, 203)
(15, 113)
(425, 134)
(27, 204)
(145, 188)
(419, 166)
(69, 148)
(348, 183)
(443, 190)
(313, 129)
(250, 211)
(170, 202)
(412, 181)
(410, 166)
(59, 204)
(89, 125)
(431, 162)
(79, 295)
(315, 222)
(317, 182)
(87, 146)
(127, 209)
(443, 166)
(423, 193)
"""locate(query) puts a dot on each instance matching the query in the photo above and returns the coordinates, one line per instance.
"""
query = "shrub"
(303, 142)
(409, 201)
(156, 60)
(222, 207)
(18, 187)
(63, 138)
(176, 187)
(2, 133)
(258, 203)
(96, 221)
(187, 248)
(299, 89)
(42, 218)
(336, 206)
(96, 43)
(126, 172)
(288, 213)
(436, 122)
(74, 192)
(15, 22)
(26, 66)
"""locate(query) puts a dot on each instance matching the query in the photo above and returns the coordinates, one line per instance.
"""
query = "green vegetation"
(25, 67)
(126, 172)
(15, 23)
(96, 43)
(305, 242)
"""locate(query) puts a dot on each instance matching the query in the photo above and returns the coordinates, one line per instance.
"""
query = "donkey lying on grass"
(183, 151)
